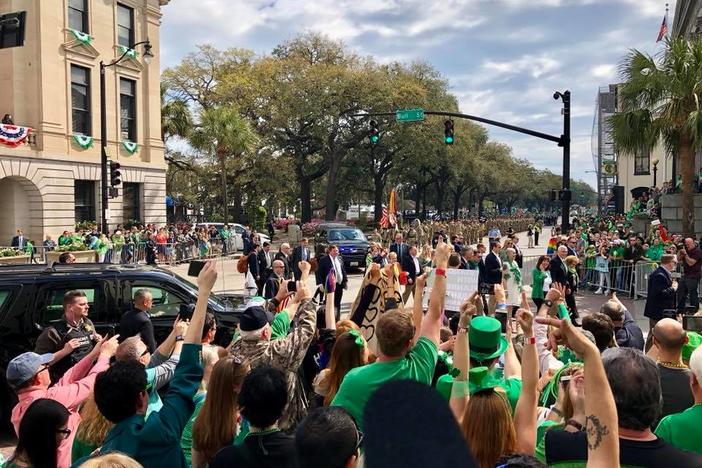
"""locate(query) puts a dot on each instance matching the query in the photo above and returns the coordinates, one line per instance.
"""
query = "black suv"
(31, 298)
(353, 245)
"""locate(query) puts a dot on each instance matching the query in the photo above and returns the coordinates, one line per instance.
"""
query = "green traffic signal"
(374, 139)
(448, 140)
(448, 132)
(374, 132)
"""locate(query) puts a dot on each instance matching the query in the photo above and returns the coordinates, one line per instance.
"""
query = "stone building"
(51, 83)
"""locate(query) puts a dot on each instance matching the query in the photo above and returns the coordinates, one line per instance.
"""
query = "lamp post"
(103, 128)
(655, 172)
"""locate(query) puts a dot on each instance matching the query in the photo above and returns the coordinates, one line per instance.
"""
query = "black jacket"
(272, 450)
(559, 271)
(492, 271)
(281, 256)
(272, 285)
(297, 258)
(408, 266)
(137, 322)
(263, 267)
(253, 264)
(402, 250)
(325, 266)
(519, 257)
(661, 294)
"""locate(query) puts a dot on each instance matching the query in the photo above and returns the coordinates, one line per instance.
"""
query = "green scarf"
(516, 272)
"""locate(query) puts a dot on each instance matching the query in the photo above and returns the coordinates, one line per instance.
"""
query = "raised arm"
(417, 309)
(525, 412)
(601, 423)
(461, 362)
(431, 324)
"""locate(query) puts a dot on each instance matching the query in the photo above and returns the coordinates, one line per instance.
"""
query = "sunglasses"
(359, 444)
(66, 433)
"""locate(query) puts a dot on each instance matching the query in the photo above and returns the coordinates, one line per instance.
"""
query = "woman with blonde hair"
(91, 432)
(112, 460)
(426, 257)
(217, 423)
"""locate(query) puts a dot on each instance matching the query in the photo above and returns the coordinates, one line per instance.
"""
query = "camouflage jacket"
(285, 354)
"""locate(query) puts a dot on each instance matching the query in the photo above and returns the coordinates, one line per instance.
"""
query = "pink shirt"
(71, 391)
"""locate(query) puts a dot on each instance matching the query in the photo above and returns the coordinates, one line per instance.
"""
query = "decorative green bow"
(358, 338)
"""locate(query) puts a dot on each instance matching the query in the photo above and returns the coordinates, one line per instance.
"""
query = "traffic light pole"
(562, 141)
(103, 152)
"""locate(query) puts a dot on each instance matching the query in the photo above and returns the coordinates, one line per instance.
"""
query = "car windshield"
(346, 234)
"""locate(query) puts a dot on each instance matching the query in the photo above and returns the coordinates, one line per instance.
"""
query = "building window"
(127, 105)
(125, 26)
(642, 163)
(131, 202)
(80, 99)
(84, 200)
(78, 15)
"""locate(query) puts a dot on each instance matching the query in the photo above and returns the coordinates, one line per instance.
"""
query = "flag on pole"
(392, 208)
(384, 219)
(664, 27)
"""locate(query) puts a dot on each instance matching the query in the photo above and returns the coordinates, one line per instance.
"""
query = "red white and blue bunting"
(13, 135)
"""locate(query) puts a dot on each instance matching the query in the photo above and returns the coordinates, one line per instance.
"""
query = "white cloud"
(536, 67)
(605, 72)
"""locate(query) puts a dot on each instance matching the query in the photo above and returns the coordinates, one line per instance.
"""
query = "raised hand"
(207, 277)
(565, 333)
(526, 321)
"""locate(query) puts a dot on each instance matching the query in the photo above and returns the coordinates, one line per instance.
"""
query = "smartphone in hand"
(195, 267)
(292, 286)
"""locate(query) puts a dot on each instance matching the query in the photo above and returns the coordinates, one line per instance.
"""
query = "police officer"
(71, 339)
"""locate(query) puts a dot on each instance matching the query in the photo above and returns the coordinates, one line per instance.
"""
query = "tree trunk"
(378, 186)
(480, 204)
(424, 202)
(237, 202)
(687, 170)
(306, 199)
(223, 167)
(440, 192)
(332, 177)
(456, 203)
(417, 200)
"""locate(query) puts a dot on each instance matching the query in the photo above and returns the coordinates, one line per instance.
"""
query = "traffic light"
(564, 195)
(115, 174)
(374, 132)
(448, 132)
(553, 195)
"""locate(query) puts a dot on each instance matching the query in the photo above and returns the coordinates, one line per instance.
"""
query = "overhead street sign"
(409, 115)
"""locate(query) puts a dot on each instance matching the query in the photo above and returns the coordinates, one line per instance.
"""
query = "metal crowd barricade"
(621, 275)
(528, 265)
(641, 273)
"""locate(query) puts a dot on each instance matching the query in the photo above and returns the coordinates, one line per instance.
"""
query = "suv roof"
(74, 267)
(331, 225)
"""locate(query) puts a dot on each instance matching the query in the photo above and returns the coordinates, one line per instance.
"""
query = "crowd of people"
(514, 377)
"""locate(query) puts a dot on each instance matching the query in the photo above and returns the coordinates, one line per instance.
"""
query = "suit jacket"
(253, 265)
(559, 271)
(297, 258)
(402, 250)
(492, 271)
(263, 264)
(325, 266)
(272, 286)
(283, 258)
(661, 294)
(136, 322)
(16, 242)
(409, 267)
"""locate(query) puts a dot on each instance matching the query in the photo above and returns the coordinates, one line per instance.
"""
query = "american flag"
(664, 28)
(384, 222)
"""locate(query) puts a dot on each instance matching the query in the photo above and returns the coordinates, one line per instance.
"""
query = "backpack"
(242, 264)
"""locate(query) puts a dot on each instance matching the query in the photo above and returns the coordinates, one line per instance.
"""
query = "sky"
(503, 59)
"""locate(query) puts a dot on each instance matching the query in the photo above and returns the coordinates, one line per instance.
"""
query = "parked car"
(238, 231)
(31, 298)
(352, 243)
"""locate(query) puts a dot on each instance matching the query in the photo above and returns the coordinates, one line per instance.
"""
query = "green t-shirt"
(541, 429)
(682, 430)
(280, 326)
(81, 449)
(186, 440)
(360, 383)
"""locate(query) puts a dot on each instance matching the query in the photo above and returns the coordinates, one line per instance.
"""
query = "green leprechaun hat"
(486, 340)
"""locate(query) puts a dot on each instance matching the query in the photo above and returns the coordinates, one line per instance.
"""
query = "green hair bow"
(358, 338)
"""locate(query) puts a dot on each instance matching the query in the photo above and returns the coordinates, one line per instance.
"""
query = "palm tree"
(175, 117)
(660, 98)
(228, 137)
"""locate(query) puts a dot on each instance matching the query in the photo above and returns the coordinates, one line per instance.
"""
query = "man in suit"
(138, 321)
(558, 268)
(519, 257)
(274, 280)
(253, 263)
(334, 262)
(265, 264)
(492, 274)
(300, 253)
(19, 241)
(399, 247)
(284, 256)
(662, 289)
(412, 268)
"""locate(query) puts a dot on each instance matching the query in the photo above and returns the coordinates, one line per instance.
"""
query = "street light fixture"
(655, 171)
(104, 190)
